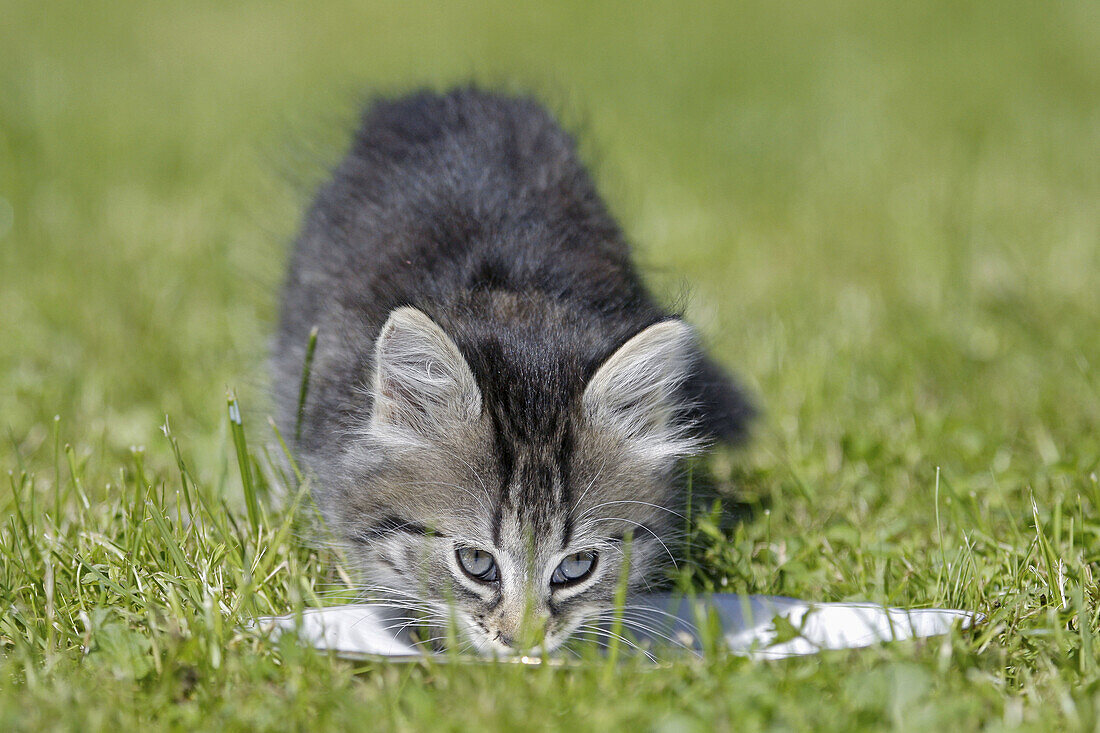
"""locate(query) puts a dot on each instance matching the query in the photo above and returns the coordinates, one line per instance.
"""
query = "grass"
(887, 217)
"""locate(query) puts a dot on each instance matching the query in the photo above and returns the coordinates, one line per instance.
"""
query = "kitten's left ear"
(423, 386)
(636, 392)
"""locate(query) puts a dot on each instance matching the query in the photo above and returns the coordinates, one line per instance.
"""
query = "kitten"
(497, 405)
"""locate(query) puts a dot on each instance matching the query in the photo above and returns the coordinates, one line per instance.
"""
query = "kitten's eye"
(478, 564)
(577, 566)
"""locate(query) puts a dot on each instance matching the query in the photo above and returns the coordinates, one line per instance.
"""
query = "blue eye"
(478, 564)
(573, 568)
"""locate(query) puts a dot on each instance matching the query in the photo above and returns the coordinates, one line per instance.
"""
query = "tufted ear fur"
(636, 392)
(422, 386)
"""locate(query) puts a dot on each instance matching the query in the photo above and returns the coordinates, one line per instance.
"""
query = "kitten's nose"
(520, 635)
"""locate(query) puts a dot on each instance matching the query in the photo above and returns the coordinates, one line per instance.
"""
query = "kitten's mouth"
(492, 645)
(464, 634)
(493, 648)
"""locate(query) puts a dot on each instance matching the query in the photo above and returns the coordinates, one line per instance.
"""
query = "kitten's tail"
(720, 409)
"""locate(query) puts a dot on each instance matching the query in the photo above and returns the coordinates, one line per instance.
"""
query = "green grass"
(886, 218)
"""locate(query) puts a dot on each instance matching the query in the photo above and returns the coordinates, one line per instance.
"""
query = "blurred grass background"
(918, 181)
(884, 215)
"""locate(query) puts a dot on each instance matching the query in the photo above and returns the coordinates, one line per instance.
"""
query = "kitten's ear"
(636, 391)
(422, 383)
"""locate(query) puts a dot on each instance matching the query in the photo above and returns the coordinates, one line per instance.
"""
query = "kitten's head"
(518, 536)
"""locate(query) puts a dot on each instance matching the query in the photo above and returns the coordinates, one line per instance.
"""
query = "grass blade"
(236, 426)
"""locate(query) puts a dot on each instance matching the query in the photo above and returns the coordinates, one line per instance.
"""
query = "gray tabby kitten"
(497, 405)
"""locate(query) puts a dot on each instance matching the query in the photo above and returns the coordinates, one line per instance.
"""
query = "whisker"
(589, 487)
(633, 501)
(655, 633)
(647, 529)
(611, 634)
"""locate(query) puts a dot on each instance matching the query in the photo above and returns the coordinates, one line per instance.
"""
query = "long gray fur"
(490, 371)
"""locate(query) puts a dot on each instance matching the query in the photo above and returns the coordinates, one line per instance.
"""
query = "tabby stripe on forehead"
(506, 461)
(565, 458)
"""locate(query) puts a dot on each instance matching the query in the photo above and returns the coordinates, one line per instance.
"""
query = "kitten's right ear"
(422, 386)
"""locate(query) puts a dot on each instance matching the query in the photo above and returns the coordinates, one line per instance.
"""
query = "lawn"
(885, 217)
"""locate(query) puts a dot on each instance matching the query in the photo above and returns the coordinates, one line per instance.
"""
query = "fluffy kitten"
(497, 404)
